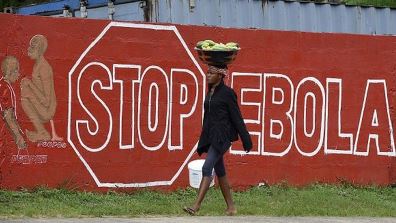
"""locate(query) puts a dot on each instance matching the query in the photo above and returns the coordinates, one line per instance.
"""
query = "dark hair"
(220, 66)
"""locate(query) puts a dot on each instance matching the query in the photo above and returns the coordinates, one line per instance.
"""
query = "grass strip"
(279, 200)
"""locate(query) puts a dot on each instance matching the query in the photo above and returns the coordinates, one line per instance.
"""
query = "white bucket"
(195, 173)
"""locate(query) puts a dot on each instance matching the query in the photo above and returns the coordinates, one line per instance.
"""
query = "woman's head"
(216, 73)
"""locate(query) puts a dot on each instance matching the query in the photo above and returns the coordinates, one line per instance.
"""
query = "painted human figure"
(10, 73)
(38, 93)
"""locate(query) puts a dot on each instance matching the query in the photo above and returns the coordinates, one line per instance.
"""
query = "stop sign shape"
(135, 105)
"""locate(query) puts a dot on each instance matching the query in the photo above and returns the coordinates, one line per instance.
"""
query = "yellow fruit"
(211, 45)
(232, 44)
(210, 42)
(199, 44)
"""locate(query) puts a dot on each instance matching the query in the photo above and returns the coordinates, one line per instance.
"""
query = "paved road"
(244, 219)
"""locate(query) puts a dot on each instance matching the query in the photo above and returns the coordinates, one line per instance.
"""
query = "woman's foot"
(190, 210)
(231, 211)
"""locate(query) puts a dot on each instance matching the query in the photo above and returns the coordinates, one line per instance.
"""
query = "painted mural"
(94, 104)
(10, 72)
(38, 97)
(37, 100)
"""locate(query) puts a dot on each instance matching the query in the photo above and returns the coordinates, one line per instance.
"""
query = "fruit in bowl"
(211, 45)
(213, 53)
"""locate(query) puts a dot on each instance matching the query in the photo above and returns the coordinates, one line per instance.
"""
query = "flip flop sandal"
(189, 210)
(230, 213)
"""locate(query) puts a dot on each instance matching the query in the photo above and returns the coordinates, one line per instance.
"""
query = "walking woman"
(221, 125)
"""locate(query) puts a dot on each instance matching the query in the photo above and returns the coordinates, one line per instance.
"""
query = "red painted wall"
(320, 107)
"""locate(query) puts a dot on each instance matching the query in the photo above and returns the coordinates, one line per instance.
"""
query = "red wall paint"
(281, 77)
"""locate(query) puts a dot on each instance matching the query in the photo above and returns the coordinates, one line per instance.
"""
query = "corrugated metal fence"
(279, 15)
(262, 14)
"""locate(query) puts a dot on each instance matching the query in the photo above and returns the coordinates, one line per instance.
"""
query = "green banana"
(211, 45)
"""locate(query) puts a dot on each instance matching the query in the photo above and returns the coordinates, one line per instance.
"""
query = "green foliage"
(18, 3)
(377, 3)
(279, 200)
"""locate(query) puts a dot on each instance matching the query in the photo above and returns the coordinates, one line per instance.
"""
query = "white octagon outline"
(139, 26)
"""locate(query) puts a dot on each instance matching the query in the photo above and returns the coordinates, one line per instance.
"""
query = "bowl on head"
(217, 57)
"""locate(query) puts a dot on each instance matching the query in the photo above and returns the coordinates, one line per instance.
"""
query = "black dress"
(222, 122)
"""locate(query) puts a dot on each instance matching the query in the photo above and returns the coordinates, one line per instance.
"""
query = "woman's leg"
(203, 188)
(225, 186)
(207, 169)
